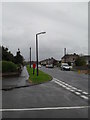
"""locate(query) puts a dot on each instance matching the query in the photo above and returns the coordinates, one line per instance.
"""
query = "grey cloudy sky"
(65, 24)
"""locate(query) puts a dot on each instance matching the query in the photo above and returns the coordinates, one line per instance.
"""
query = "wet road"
(53, 99)
(73, 78)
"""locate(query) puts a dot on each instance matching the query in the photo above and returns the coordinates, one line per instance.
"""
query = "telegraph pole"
(30, 57)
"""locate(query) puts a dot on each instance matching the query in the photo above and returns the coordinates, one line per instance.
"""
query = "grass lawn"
(43, 77)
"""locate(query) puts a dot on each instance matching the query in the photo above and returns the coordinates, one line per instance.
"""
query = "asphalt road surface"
(66, 96)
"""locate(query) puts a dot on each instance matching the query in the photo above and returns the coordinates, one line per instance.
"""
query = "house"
(69, 58)
(49, 61)
(43, 62)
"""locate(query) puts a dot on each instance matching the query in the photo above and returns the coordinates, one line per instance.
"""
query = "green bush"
(8, 66)
(80, 61)
(69, 63)
(59, 65)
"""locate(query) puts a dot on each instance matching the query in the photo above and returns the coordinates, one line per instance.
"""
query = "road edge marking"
(46, 108)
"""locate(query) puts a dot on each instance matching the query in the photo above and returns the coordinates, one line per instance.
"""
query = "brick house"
(48, 61)
(69, 58)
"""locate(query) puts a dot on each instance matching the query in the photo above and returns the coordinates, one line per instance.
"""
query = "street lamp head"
(41, 33)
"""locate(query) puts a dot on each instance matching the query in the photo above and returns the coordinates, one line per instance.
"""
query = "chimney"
(64, 51)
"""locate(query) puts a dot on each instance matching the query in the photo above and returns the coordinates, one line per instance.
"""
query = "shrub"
(8, 66)
(69, 63)
(80, 61)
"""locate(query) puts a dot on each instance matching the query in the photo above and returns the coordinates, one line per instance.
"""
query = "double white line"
(75, 90)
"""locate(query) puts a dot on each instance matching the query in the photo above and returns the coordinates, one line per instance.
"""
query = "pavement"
(9, 83)
(66, 96)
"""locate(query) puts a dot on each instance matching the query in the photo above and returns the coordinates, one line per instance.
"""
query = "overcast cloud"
(65, 24)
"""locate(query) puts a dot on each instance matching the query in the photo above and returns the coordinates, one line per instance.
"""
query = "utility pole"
(30, 57)
(65, 54)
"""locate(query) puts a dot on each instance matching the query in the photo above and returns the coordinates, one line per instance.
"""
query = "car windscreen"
(65, 65)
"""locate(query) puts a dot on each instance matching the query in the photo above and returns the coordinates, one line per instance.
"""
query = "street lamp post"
(37, 49)
(30, 57)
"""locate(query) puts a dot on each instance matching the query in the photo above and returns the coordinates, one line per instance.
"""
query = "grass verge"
(43, 77)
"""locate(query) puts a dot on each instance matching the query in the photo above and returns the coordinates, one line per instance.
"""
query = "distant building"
(48, 61)
(28, 62)
(69, 58)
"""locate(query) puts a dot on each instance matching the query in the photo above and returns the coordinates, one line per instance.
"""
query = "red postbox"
(34, 65)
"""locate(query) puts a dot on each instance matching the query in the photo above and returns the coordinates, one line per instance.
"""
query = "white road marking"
(69, 85)
(74, 88)
(77, 93)
(65, 84)
(58, 83)
(84, 97)
(79, 90)
(67, 88)
(71, 88)
(85, 93)
(46, 108)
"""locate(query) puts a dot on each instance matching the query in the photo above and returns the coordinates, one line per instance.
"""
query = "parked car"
(65, 66)
(49, 66)
(39, 66)
(70, 67)
(46, 66)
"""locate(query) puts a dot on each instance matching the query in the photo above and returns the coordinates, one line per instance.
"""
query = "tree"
(80, 61)
(7, 55)
(69, 63)
(19, 58)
